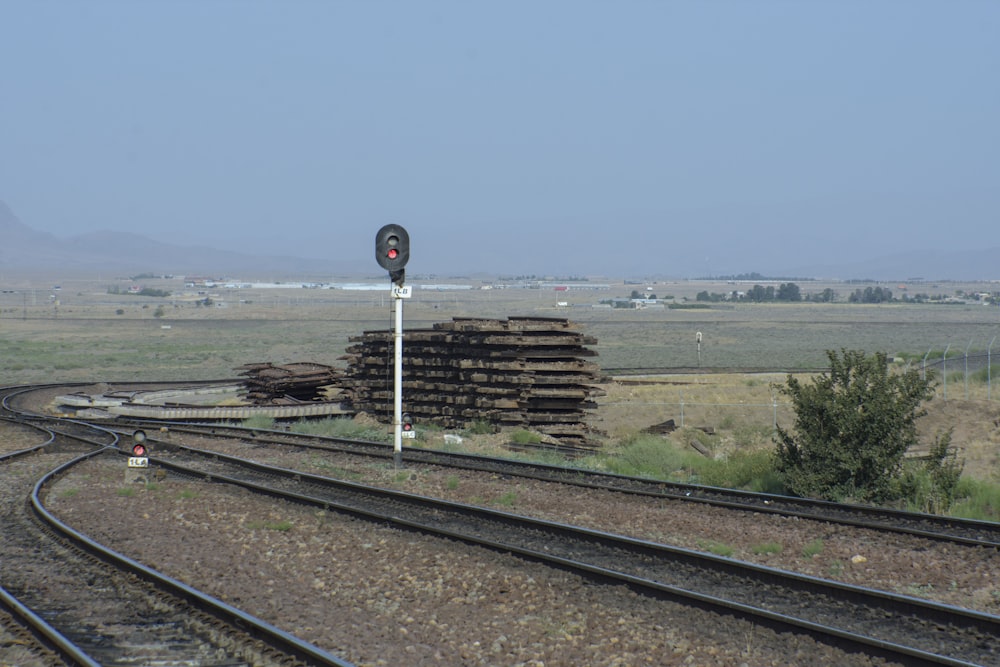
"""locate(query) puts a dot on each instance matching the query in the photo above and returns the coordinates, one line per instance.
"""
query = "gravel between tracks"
(379, 596)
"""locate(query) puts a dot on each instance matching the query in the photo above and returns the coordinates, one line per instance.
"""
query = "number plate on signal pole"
(404, 292)
(138, 462)
(409, 434)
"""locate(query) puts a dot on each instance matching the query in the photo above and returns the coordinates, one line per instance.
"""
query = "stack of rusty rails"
(288, 384)
(522, 372)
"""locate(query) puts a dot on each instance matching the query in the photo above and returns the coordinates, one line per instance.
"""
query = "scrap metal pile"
(267, 384)
(523, 372)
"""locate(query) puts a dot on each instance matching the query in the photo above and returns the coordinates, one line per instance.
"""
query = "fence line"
(966, 363)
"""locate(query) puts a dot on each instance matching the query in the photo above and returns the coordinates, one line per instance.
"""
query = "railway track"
(937, 527)
(946, 639)
(901, 628)
(70, 600)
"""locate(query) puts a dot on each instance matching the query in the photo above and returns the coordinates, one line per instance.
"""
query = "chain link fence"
(748, 421)
(963, 375)
(966, 375)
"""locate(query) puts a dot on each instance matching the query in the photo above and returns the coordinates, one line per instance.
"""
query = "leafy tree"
(789, 292)
(852, 428)
(826, 296)
(759, 293)
(714, 297)
(871, 295)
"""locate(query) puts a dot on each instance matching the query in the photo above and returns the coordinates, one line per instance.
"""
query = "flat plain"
(92, 329)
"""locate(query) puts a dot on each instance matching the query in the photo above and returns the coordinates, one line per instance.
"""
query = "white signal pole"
(397, 387)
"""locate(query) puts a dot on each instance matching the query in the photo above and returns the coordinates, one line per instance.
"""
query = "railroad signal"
(392, 250)
(139, 451)
(406, 426)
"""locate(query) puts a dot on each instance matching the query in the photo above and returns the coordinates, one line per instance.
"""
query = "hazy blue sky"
(537, 136)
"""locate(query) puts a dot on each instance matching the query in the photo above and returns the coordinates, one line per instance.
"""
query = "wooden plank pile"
(286, 384)
(526, 372)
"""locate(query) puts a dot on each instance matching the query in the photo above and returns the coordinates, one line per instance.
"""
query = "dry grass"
(740, 409)
(83, 333)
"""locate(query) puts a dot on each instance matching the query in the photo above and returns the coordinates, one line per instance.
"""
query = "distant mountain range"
(23, 248)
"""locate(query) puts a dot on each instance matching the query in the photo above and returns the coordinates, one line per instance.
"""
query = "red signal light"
(139, 443)
(392, 250)
(406, 422)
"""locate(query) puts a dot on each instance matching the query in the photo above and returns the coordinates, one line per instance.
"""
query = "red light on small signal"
(393, 253)
(138, 450)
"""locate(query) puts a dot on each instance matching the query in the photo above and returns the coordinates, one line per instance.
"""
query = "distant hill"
(23, 248)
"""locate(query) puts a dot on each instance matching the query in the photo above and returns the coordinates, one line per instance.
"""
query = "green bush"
(853, 425)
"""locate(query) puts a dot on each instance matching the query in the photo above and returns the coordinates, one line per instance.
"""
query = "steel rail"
(938, 634)
(968, 532)
(44, 633)
(272, 635)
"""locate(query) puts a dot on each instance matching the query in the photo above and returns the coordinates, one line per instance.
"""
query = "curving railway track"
(864, 619)
(896, 627)
(932, 526)
(69, 600)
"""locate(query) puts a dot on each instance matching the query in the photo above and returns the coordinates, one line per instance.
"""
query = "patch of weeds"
(717, 548)
(525, 437)
(976, 499)
(69, 493)
(767, 548)
(480, 428)
(650, 456)
(331, 470)
(812, 549)
(507, 499)
(452, 483)
(919, 590)
(262, 422)
(548, 457)
(126, 492)
(187, 494)
(836, 569)
(269, 525)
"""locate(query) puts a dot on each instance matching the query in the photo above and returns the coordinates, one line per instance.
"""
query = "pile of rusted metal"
(300, 382)
(526, 372)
